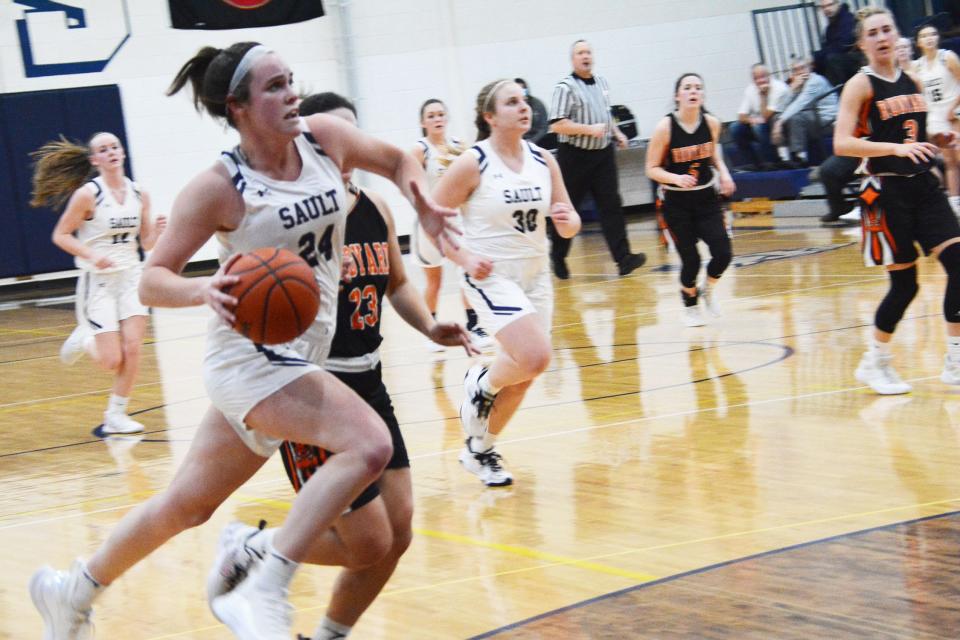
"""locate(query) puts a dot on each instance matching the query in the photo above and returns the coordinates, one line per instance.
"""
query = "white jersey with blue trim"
(306, 216)
(437, 159)
(114, 227)
(505, 216)
(940, 88)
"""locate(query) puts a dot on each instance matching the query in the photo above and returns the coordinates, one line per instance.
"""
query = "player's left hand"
(727, 186)
(565, 218)
(451, 334)
(348, 268)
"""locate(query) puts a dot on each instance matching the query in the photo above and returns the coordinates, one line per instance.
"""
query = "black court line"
(54, 355)
(99, 438)
(712, 567)
(636, 344)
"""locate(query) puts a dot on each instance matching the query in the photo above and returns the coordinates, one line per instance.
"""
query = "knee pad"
(903, 288)
(689, 265)
(721, 253)
(950, 259)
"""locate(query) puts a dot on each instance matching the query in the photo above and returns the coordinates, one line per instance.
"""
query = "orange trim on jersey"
(863, 120)
(873, 226)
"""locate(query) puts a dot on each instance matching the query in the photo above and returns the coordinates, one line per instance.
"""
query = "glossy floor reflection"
(646, 451)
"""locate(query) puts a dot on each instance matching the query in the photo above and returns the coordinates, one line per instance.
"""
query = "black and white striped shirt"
(583, 102)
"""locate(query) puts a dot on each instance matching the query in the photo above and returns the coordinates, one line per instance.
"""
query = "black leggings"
(696, 215)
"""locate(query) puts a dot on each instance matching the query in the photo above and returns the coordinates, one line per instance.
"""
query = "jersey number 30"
(526, 220)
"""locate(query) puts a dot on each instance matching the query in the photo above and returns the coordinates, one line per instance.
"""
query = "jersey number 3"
(526, 220)
(910, 129)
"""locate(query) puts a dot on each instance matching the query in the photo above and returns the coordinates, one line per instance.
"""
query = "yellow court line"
(38, 332)
(524, 552)
(641, 578)
(534, 554)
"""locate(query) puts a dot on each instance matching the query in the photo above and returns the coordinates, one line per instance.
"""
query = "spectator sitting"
(539, 122)
(838, 59)
(804, 117)
(952, 9)
(761, 102)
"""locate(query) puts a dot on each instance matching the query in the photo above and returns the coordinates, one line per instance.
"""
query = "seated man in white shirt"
(761, 103)
(804, 118)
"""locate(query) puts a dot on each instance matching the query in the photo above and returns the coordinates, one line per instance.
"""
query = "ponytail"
(60, 168)
(209, 73)
(487, 103)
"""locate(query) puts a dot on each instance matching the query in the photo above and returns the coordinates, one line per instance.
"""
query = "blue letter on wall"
(79, 40)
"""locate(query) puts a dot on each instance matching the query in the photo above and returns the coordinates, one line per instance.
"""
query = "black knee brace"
(903, 288)
(950, 259)
(689, 265)
(721, 253)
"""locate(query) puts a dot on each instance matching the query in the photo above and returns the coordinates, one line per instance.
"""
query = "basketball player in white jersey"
(435, 151)
(376, 530)
(505, 188)
(280, 187)
(106, 222)
(939, 71)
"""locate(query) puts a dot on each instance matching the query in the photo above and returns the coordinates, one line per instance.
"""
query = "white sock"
(484, 384)
(953, 348)
(261, 541)
(879, 348)
(277, 570)
(86, 589)
(954, 202)
(330, 630)
(784, 153)
(480, 444)
(117, 404)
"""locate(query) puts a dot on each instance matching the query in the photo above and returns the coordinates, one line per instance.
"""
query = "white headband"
(253, 54)
(493, 93)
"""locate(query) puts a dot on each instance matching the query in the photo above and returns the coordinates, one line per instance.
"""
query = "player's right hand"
(478, 268)
(102, 262)
(213, 294)
(684, 181)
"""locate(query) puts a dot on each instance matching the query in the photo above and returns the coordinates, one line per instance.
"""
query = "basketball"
(277, 295)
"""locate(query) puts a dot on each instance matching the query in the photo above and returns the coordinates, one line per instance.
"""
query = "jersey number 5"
(526, 220)
(356, 296)
(309, 247)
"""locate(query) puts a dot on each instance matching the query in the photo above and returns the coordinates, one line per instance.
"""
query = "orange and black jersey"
(359, 306)
(896, 112)
(690, 152)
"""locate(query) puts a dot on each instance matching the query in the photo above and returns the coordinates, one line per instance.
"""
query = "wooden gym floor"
(730, 481)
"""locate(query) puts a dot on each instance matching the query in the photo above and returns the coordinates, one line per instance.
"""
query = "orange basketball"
(277, 295)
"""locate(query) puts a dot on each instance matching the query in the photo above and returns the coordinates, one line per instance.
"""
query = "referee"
(580, 116)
